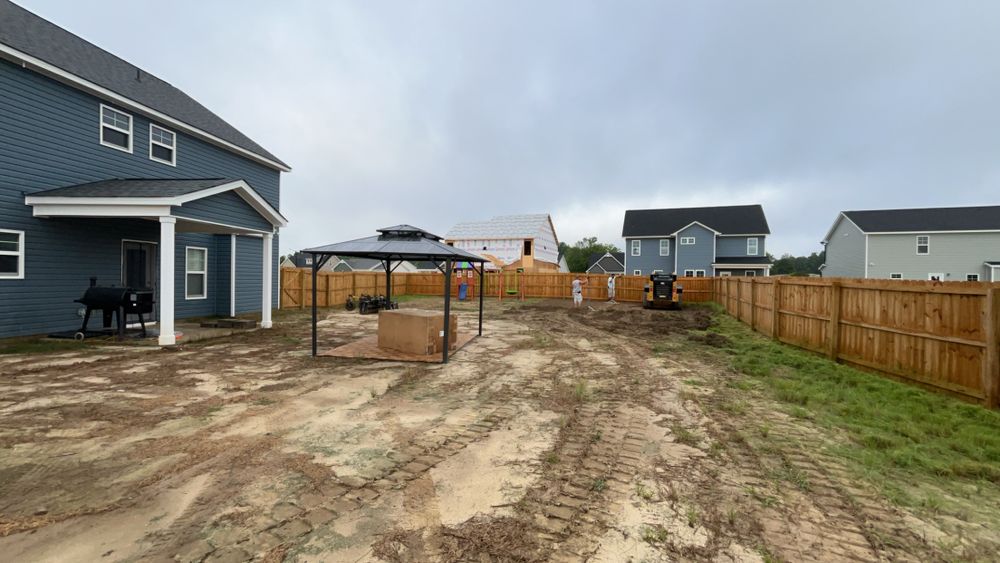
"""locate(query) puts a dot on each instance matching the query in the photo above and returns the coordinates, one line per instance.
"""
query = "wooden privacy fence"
(332, 288)
(943, 335)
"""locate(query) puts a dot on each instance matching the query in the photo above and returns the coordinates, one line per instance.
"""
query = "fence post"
(776, 309)
(834, 327)
(753, 303)
(329, 297)
(991, 359)
(302, 289)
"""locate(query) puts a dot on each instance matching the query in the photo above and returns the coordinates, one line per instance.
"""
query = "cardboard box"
(415, 331)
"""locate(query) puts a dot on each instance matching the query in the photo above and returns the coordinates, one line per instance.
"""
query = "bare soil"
(561, 435)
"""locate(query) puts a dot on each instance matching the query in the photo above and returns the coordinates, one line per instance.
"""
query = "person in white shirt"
(611, 288)
(578, 291)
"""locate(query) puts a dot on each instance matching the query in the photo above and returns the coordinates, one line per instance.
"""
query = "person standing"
(611, 288)
(578, 291)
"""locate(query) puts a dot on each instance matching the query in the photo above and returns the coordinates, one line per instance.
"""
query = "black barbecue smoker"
(115, 303)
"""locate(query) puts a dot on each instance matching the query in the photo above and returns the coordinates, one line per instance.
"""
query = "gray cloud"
(433, 113)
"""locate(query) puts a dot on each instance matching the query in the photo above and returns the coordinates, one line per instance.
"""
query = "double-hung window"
(971, 277)
(694, 273)
(116, 129)
(687, 241)
(664, 247)
(196, 273)
(162, 145)
(636, 247)
(11, 254)
(752, 243)
(923, 245)
(895, 276)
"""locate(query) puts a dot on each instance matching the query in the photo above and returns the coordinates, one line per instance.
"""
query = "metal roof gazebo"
(395, 244)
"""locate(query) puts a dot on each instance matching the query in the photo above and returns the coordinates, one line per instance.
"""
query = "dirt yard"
(560, 435)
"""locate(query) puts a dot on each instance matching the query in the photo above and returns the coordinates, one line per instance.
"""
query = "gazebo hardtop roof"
(401, 242)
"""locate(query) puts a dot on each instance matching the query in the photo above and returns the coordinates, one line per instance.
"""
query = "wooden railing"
(942, 335)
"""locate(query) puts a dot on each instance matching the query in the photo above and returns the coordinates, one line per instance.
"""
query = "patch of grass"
(581, 392)
(764, 430)
(596, 436)
(896, 433)
(764, 499)
(692, 516)
(552, 458)
(695, 382)
(643, 492)
(685, 436)
(654, 534)
(599, 485)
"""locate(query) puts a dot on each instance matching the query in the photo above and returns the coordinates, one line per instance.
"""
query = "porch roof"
(143, 197)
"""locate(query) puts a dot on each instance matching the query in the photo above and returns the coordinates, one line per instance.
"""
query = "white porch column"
(265, 307)
(166, 320)
(232, 275)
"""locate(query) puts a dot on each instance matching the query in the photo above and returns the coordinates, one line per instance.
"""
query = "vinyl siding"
(248, 274)
(49, 137)
(227, 207)
(952, 254)
(698, 256)
(845, 252)
(650, 259)
(730, 246)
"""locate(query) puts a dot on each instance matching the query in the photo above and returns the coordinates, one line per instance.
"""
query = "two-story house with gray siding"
(697, 241)
(106, 171)
(942, 243)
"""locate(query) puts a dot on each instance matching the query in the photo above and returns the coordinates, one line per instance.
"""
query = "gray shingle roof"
(615, 263)
(135, 187)
(930, 219)
(44, 40)
(501, 227)
(728, 220)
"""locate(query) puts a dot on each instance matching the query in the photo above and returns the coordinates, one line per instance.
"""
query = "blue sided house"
(697, 241)
(108, 172)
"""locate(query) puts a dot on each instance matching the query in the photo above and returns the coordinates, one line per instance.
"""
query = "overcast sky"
(431, 113)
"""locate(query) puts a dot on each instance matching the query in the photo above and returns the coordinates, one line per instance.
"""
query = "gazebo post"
(482, 287)
(447, 309)
(315, 270)
(388, 282)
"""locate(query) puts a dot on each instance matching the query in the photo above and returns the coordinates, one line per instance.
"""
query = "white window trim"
(977, 277)
(19, 253)
(725, 274)
(101, 125)
(635, 247)
(689, 241)
(694, 273)
(918, 245)
(636, 272)
(664, 240)
(750, 273)
(656, 272)
(187, 270)
(702, 273)
(756, 246)
(895, 275)
(173, 149)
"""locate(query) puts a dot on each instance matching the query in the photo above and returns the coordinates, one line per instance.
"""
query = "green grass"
(894, 430)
